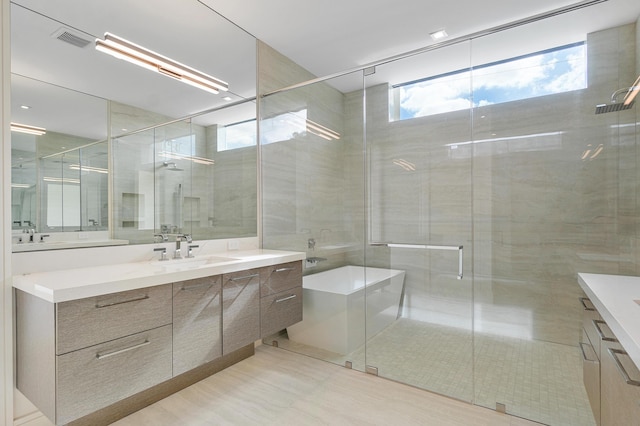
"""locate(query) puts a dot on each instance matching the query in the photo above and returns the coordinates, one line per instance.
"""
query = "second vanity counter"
(617, 299)
(79, 283)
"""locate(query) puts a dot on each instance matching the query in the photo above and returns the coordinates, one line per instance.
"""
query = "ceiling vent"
(71, 37)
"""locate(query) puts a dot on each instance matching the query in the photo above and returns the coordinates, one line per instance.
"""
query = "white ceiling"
(324, 37)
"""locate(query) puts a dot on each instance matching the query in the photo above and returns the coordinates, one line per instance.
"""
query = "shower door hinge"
(370, 369)
(370, 71)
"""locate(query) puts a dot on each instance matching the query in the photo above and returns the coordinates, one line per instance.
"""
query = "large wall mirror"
(128, 153)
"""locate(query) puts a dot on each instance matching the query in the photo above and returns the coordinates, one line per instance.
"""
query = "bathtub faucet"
(311, 243)
(313, 261)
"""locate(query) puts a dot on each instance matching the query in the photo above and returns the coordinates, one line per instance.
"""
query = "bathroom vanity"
(95, 344)
(611, 347)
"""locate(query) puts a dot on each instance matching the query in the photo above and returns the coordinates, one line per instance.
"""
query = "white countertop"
(72, 284)
(614, 297)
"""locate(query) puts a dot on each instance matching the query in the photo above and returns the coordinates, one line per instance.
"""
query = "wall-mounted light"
(31, 130)
(123, 49)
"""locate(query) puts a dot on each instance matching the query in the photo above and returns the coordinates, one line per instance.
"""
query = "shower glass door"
(419, 185)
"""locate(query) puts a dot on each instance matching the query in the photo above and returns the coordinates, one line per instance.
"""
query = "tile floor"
(537, 380)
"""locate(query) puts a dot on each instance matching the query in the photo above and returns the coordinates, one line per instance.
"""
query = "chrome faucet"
(179, 238)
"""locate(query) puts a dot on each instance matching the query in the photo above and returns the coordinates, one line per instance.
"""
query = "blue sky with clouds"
(534, 75)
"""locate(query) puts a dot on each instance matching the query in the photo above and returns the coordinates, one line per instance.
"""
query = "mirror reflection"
(106, 130)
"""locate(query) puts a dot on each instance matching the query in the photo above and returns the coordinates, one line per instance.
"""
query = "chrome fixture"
(170, 165)
(627, 101)
(43, 236)
(163, 252)
(428, 247)
(160, 238)
(179, 238)
(313, 261)
(138, 55)
(190, 252)
(311, 243)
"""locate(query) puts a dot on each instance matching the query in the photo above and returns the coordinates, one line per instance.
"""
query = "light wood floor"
(280, 387)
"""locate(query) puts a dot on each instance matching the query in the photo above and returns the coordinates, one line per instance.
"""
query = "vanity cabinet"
(620, 387)
(197, 333)
(280, 298)
(241, 308)
(611, 379)
(76, 357)
(115, 353)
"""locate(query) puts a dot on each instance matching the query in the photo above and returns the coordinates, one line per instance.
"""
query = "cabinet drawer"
(620, 391)
(280, 310)
(240, 309)
(591, 378)
(95, 377)
(281, 277)
(197, 335)
(86, 322)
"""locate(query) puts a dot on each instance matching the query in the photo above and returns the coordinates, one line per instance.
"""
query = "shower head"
(613, 107)
(171, 166)
(627, 101)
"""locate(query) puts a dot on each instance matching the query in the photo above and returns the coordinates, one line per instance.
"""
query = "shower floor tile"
(536, 380)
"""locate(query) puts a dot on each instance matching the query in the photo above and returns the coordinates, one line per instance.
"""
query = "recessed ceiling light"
(226, 98)
(438, 35)
(25, 106)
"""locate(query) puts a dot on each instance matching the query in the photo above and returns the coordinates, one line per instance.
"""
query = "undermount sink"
(193, 263)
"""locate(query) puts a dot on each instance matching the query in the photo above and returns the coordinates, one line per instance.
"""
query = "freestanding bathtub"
(334, 307)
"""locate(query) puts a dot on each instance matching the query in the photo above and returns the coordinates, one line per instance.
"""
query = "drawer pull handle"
(584, 353)
(293, 296)
(596, 324)
(284, 269)
(196, 286)
(106, 305)
(244, 277)
(120, 351)
(584, 301)
(614, 353)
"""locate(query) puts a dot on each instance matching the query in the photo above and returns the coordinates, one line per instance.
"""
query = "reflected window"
(557, 70)
(283, 127)
(237, 135)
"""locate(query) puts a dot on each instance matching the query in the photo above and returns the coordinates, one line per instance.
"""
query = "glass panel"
(174, 145)
(133, 187)
(94, 181)
(312, 176)
(555, 192)
(419, 314)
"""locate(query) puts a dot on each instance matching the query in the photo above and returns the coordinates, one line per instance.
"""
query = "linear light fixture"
(123, 49)
(438, 35)
(175, 156)
(633, 91)
(88, 168)
(31, 130)
(61, 180)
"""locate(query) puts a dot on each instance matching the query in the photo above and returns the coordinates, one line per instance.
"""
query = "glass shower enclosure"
(486, 182)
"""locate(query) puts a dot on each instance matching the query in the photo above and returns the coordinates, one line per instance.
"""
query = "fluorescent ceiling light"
(123, 49)
(32, 130)
(438, 35)
(60, 180)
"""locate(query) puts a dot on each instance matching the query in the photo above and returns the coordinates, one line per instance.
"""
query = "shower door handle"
(429, 247)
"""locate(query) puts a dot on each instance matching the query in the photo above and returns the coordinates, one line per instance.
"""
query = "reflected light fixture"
(31, 130)
(83, 168)
(195, 159)
(438, 35)
(138, 55)
(633, 91)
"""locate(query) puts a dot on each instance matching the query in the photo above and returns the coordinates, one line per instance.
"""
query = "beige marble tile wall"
(305, 178)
